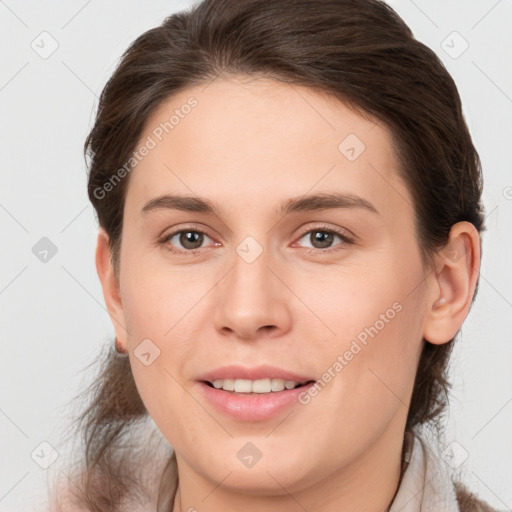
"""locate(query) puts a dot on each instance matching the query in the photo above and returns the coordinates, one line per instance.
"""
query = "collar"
(426, 483)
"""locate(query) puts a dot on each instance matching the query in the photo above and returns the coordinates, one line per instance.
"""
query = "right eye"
(190, 240)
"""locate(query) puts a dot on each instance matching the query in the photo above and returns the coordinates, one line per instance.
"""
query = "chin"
(265, 481)
(275, 470)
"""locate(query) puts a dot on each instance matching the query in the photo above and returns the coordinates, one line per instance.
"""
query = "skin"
(249, 145)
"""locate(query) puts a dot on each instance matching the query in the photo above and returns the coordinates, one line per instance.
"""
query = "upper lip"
(254, 373)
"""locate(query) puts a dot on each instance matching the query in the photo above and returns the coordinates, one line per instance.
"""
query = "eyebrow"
(325, 201)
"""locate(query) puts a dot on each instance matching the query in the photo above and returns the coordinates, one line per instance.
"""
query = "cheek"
(175, 412)
(157, 302)
(162, 315)
(371, 337)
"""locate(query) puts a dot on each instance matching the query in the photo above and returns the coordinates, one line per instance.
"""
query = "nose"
(252, 302)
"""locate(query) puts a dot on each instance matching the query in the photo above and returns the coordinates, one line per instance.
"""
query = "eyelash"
(346, 240)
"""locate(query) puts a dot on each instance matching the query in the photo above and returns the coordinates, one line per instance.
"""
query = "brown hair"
(359, 51)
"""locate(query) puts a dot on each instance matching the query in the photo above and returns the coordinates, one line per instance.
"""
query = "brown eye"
(185, 240)
(191, 239)
(322, 240)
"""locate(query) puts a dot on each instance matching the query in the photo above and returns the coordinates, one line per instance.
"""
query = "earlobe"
(452, 284)
(110, 285)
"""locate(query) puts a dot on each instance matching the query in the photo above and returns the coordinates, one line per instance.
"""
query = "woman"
(290, 213)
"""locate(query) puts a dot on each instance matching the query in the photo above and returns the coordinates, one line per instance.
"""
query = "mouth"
(255, 387)
(256, 393)
(253, 400)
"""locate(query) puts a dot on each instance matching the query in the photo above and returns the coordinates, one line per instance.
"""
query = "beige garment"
(167, 491)
(426, 485)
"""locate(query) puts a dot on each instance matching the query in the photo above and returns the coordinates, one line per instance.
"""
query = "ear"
(111, 289)
(453, 283)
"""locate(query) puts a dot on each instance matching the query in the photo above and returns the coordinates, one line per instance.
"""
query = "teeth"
(254, 386)
(243, 386)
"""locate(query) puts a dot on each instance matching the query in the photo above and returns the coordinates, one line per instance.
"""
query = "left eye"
(324, 238)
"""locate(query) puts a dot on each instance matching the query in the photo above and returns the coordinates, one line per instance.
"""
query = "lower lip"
(255, 406)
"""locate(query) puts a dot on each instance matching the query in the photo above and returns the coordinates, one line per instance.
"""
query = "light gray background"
(53, 316)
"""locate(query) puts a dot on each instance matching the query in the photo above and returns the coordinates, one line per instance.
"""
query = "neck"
(368, 483)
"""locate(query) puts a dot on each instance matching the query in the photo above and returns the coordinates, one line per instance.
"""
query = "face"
(324, 292)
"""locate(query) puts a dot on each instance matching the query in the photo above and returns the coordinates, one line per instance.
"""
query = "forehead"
(263, 138)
